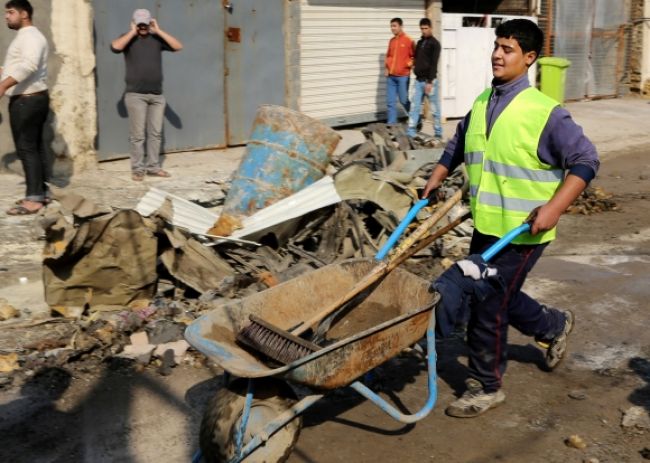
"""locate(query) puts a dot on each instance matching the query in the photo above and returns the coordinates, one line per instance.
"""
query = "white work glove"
(474, 271)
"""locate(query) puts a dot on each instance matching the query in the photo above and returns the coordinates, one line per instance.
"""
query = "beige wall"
(73, 99)
(71, 127)
(645, 63)
(434, 13)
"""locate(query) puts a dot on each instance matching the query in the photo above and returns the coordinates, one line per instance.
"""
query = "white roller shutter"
(342, 49)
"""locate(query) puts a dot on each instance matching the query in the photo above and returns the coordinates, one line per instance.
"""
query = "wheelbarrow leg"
(197, 457)
(239, 436)
(433, 387)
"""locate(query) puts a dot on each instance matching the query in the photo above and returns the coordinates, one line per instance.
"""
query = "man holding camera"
(142, 47)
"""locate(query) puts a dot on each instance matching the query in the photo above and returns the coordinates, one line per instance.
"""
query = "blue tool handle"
(392, 239)
(505, 241)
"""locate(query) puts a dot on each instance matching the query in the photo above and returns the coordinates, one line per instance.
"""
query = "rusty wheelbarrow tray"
(396, 314)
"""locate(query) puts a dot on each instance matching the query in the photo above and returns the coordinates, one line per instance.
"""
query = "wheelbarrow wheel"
(223, 416)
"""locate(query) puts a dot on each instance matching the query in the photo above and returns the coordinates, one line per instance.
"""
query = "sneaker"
(475, 401)
(557, 347)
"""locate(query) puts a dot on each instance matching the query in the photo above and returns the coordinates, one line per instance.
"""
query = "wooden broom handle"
(386, 266)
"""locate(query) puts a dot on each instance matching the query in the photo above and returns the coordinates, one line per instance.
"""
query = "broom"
(286, 346)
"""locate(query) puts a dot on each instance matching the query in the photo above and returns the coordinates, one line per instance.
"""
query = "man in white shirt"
(23, 79)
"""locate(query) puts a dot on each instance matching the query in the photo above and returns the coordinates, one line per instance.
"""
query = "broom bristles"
(274, 342)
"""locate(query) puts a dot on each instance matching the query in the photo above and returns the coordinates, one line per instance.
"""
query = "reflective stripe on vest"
(507, 179)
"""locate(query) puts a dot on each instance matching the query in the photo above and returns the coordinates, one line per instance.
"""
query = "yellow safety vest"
(507, 179)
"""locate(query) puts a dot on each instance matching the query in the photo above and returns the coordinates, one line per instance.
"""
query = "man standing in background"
(398, 63)
(142, 47)
(427, 53)
(24, 76)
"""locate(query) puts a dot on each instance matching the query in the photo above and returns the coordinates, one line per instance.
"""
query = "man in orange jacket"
(399, 60)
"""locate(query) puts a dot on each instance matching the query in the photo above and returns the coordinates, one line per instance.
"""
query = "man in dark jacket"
(427, 52)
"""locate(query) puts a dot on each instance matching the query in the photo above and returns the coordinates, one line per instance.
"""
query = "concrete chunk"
(178, 347)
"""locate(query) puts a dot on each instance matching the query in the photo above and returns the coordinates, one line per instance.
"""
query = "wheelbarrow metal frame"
(300, 407)
(334, 366)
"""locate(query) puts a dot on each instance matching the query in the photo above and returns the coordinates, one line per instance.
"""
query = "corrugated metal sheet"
(196, 219)
(587, 32)
(316, 196)
(199, 220)
(342, 48)
(611, 14)
(603, 64)
(607, 46)
(572, 41)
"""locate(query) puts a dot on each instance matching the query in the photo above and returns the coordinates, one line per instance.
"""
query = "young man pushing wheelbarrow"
(527, 160)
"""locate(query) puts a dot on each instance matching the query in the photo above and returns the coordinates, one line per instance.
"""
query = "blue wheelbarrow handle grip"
(394, 237)
(505, 241)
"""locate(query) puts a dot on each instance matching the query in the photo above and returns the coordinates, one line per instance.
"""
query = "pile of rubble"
(592, 201)
(124, 284)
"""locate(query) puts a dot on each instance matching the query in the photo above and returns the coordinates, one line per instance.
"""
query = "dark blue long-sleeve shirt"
(562, 143)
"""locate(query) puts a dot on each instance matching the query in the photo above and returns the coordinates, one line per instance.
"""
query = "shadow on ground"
(96, 429)
(641, 396)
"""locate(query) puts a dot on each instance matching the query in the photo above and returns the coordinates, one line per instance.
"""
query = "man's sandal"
(159, 173)
(46, 201)
(22, 210)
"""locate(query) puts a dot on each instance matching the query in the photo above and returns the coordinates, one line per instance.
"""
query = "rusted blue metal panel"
(193, 78)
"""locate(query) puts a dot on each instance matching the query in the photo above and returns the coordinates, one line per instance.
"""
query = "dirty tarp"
(77, 205)
(107, 260)
(185, 258)
(411, 161)
(194, 264)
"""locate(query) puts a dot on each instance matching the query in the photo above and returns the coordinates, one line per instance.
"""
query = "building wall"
(645, 65)
(73, 91)
(636, 46)
(434, 13)
(342, 47)
(510, 7)
(71, 127)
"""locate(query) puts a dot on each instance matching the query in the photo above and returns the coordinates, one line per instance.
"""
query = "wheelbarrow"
(258, 417)
(394, 316)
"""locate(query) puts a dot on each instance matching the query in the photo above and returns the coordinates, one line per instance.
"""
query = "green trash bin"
(553, 76)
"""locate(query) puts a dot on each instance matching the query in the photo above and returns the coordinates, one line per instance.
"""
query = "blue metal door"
(255, 62)
(193, 78)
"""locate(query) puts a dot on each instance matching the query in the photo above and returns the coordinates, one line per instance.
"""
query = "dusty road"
(598, 267)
